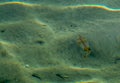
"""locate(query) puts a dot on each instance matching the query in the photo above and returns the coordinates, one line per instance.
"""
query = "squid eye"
(87, 49)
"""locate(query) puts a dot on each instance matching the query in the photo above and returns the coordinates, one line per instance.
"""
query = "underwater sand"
(39, 41)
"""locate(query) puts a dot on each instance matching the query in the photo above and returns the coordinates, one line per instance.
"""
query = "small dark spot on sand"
(40, 42)
(2, 31)
(60, 76)
(36, 76)
(116, 60)
(71, 25)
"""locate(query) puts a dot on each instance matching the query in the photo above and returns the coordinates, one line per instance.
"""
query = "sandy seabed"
(39, 43)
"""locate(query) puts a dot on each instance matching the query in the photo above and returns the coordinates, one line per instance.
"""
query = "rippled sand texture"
(38, 43)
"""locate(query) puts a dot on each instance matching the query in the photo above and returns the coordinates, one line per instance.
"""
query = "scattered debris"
(61, 76)
(36, 76)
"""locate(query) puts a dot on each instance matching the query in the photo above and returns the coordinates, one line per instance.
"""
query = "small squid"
(84, 45)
